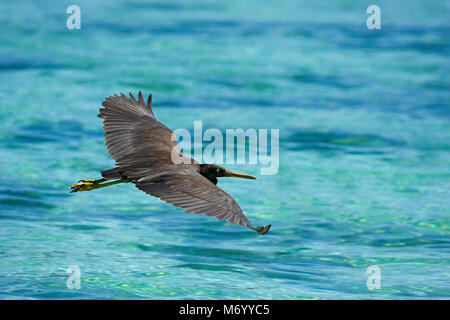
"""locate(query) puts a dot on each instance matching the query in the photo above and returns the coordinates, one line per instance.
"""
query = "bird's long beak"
(229, 173)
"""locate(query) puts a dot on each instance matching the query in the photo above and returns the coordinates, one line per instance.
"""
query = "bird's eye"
(218, 170)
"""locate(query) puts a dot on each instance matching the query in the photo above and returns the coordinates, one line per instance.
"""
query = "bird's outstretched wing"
(143, 149)
(188, 189)
(131, 128)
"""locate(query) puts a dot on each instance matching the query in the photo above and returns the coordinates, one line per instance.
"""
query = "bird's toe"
(83, 185)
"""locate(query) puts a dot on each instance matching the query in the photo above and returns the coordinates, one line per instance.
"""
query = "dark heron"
(145, 150)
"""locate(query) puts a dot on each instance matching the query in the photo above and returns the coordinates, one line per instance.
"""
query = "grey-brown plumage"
(144, 148)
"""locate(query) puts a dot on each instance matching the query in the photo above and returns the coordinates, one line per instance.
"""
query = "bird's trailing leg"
(262, 230)
(87, 185)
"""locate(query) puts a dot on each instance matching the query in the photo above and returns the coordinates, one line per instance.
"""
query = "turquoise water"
(364, 123)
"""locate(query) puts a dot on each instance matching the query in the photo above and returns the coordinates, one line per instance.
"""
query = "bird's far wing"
(194, 193)
(131, 128)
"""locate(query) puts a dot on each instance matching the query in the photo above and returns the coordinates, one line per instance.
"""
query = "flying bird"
(147, 155)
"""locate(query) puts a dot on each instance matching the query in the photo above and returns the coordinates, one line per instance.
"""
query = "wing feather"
(195, 194)
(130, 126)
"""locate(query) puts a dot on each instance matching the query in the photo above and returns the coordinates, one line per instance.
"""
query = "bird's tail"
(111, 174)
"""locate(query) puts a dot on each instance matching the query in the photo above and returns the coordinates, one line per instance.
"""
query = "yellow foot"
(84, 185)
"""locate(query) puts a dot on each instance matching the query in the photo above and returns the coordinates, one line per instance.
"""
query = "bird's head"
(213, 170)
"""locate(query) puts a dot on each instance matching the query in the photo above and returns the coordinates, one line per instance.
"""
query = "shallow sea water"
(364, 175)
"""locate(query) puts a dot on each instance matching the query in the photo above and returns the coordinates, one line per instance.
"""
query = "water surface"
(364, 125)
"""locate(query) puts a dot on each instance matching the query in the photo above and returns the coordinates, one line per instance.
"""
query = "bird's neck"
(204, 172)
(211, 178)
